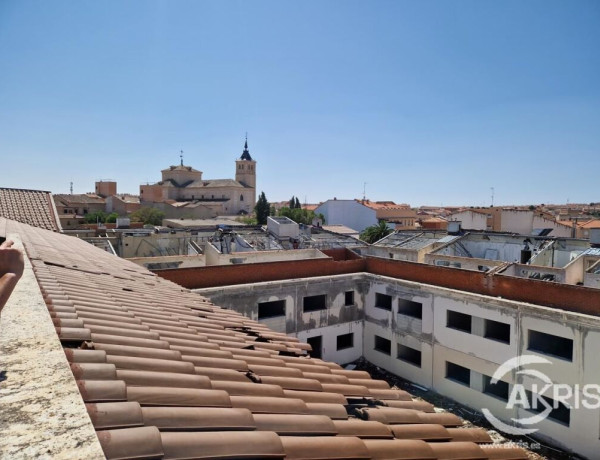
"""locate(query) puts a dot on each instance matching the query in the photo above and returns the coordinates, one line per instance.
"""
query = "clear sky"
(428, 102)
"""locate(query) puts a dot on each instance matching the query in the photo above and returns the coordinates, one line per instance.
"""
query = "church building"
(183, 192)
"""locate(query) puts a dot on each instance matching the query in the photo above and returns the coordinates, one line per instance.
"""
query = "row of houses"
(360, 214)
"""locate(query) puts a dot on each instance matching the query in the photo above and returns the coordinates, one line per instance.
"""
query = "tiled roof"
(127, 198)
(180, 168)
(215, 183)
(165, 373)
(33, 207)
(595, 223)
(81, 198)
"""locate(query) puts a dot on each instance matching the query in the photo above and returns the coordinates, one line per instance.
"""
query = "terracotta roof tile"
(33, 207)
(167, 374)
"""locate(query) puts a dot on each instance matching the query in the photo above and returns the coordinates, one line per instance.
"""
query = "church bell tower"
(245, 168)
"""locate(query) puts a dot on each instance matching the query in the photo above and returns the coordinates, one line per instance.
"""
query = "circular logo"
(519, 395)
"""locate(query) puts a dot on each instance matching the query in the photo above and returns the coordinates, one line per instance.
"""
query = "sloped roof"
(595, 223)
(127, 198)
(33, 207)
(79, 198)
(215, 183)
(180, 168)
(165, 373)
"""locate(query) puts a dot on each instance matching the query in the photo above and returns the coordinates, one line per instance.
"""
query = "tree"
(149, 216)
(112, 218)
(375, 232)
(262, 209)
(95, 217)
(299, 215)
(294, 203)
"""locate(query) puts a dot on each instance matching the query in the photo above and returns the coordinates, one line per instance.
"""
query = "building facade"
(351, 213)
(448, 340)
(184, 184)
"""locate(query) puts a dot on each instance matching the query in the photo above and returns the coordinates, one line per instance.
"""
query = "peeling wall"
(436, 341)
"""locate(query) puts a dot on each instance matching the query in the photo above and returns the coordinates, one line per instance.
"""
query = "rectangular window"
(409, 355)
(345, 341)
(460, 321)
(550, 344)
(271, 309)
(383, 345)
(316, 343)
(498, 389)
(315, 303)
(410, 308)
(495, 330)
(458, 373)
(383, 301)
(349, 298)
(559, 413)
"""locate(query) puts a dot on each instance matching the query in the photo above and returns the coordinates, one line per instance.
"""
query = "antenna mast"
(71, 188)
(492, 188)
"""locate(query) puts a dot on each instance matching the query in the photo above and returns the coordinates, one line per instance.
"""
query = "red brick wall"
(567, 297)
(572, 298)
(225, 275)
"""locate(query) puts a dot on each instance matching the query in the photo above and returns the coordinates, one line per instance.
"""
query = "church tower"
(245, 168)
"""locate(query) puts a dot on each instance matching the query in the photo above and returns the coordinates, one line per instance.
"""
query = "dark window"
(383, 345)
(271, 309)
(315, 302)
(560, 413)
(349, 298)
(410, 308)
(241, 197)
(496, 330)
(317, 346)
(459, 321)
(383, 301)
(552, 345)
(410, 355)
(498, 389)
(458, 373)
(345, 341)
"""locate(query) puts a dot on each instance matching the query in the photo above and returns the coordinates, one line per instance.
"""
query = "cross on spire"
(246, 152)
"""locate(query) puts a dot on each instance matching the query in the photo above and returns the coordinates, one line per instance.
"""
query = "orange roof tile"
(165, 373)
(33, 207)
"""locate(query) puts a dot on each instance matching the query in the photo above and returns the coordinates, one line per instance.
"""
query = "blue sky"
(428, 102)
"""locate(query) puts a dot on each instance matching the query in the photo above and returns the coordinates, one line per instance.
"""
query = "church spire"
(246, 152)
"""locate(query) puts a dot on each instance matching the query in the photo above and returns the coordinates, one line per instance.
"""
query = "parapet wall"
(578, 299)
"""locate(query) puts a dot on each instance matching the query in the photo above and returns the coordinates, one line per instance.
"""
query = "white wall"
(440, 344)
(329, 336)
(347, 212)
(470, 220)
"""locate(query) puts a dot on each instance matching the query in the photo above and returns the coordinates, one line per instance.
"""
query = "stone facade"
(183, 183)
